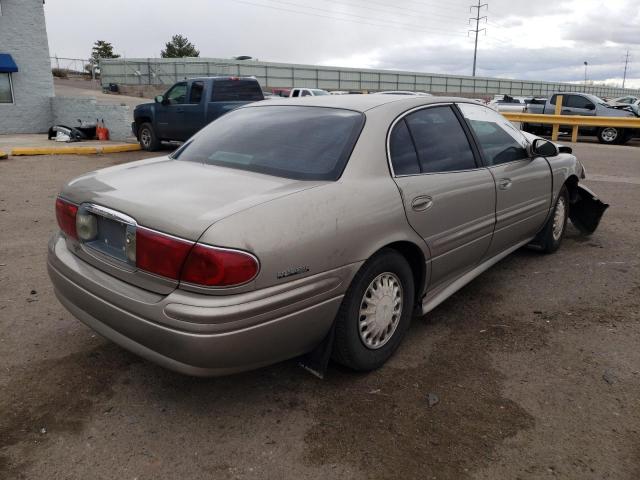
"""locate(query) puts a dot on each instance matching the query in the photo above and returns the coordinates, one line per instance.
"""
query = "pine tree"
(179, 47)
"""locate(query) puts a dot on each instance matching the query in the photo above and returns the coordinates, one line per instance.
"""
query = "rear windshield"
(304, 143)
(236, 90)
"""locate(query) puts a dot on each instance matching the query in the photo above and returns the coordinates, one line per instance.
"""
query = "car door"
(449, 198)
(523, 184)
(193, 111)
(169, 113)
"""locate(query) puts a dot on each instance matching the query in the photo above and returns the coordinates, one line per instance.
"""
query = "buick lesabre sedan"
(282, 230)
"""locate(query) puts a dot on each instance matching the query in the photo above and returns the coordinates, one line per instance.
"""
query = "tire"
(380, 273)
(550, 237)
(610, 135)
(147, 138)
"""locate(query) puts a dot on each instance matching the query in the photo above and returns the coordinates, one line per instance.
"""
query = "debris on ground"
(433, 399)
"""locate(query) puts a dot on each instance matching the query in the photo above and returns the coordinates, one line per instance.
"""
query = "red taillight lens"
(160, 254)
(66, 216)
(218, 267)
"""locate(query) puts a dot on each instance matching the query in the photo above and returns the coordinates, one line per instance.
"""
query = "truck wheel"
(375, 312)
(609, 135)
(147, 138)
(550, 238)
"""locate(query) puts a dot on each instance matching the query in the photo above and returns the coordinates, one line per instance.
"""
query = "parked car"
(320, 226)
(507, 103)
(307, 92)
(585, 104)
(190, 105)
(404, 92)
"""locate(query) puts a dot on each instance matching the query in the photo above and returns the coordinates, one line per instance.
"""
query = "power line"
(477, 30)
(331, 17)
(403, 10)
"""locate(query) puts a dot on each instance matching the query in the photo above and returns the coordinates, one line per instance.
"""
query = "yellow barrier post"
(556, 126)
(574, 134)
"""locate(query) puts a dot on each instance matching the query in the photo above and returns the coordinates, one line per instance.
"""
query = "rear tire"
(550, 238)
(375, 312)
(147, 138)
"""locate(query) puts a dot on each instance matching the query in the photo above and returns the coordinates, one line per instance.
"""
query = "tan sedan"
(319, 227)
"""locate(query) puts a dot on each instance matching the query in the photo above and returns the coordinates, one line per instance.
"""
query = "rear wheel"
(550, 238)
(375, 312)
(147, 138)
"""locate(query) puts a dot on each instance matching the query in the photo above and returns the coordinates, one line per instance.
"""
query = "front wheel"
(375, 312)
(610, 135)
(147, 138)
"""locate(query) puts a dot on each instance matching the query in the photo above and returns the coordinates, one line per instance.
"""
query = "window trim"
(463, 125)
(11, 92)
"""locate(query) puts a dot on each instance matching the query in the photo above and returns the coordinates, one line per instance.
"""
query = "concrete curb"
(28, 151)
(3, 155)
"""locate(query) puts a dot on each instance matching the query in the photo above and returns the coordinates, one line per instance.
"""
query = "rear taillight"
(159, 253)
(218, 267)
(66, 215)
(191, 262)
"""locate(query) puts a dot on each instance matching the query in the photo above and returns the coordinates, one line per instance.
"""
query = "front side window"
(577, 101)
(440, 141)
(196, 92)
(304, 143)
(6, 92)
(499, 140)
(177, 95)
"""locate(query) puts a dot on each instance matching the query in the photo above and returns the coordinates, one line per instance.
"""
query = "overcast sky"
(525, 39)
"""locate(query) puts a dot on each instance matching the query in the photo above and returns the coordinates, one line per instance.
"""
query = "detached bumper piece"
(586, 210)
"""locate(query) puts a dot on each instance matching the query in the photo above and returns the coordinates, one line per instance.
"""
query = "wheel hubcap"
(558, 218)
(145, 137)
(609, 134)
(380, 310)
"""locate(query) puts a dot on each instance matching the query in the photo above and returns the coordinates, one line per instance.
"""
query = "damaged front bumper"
(586, 210)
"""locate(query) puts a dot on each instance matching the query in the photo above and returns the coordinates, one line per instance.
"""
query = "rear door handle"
(504, 183)
(422, 203)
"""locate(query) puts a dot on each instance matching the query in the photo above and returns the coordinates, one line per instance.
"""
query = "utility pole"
(626, 64)
(586, 64)
(477, 30)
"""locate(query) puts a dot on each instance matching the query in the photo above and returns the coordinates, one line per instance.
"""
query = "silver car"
(316, 229)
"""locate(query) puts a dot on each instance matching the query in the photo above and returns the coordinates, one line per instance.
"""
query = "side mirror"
(544, 148)
(159, 99)
(590, 106)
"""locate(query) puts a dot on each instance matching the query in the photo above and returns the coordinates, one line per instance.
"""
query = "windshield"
(319, 92)
(299, 142)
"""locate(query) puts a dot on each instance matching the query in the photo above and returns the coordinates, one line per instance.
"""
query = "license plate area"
(114, 236)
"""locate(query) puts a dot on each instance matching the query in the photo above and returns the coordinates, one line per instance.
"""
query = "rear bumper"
(197, 334)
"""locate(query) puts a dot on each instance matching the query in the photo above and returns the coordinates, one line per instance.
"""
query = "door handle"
(504, 183)
(566, 111)
(422, 203)
(180, 110)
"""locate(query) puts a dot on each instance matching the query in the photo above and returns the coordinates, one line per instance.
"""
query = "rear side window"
(499, 140)
(236, 91)
(304, 143)
(440, 140)
(404, 157)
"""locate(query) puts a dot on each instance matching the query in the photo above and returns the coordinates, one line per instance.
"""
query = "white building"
(26, 83)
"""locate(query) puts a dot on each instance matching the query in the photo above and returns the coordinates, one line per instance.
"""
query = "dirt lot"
(535, 364)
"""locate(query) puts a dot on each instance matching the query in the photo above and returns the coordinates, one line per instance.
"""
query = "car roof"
(363, 102)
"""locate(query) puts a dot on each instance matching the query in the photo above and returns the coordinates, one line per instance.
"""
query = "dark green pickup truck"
(190, 105)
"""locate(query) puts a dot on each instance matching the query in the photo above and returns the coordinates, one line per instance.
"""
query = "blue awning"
(7, 65)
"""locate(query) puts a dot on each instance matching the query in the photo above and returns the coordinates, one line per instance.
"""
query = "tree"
(102, 49)
(179, 47)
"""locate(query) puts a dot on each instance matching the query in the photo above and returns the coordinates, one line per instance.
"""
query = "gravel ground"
(533, 371)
